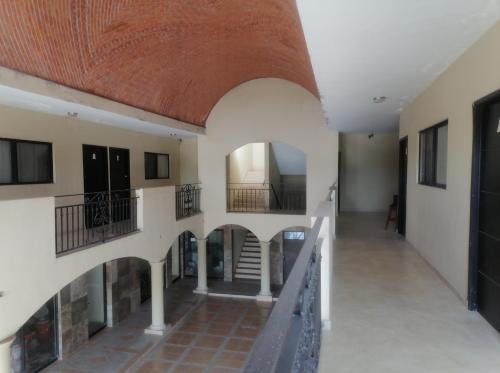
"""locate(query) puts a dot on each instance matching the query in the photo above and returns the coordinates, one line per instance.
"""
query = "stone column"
(202, 267)
(265, 274)
(5, 354)
(158, 326)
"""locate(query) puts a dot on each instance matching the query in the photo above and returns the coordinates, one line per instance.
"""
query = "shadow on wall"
(368, 175)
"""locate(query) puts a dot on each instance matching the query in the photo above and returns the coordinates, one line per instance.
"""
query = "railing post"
(325, 244)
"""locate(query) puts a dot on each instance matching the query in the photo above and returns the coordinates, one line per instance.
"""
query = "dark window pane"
(442, 155)
(33, 162)
(433, 155)
(5, 162)
(150, 165)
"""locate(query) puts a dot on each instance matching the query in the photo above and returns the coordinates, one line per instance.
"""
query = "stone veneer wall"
(73, 316)
(276, 252)
(123, 289)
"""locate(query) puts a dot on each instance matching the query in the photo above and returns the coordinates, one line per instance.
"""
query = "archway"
(266, 177)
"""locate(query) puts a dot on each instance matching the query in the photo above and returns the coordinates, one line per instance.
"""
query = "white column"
(202, 267)
(265, 272)
(326, 247)
(157, 303)
(5, 354)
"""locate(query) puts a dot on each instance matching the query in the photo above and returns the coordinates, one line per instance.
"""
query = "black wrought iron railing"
(87, 219)
(187, 200)
(291, 338)
(265, 198)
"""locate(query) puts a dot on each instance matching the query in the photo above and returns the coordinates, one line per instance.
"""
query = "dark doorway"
(484, 275)
(119, 167)
(403, 180)
(215, 255)
(292, 244)
(35, 346)
(95, 184)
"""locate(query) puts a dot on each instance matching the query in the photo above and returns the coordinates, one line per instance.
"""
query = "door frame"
(478, 115)
(402, 183)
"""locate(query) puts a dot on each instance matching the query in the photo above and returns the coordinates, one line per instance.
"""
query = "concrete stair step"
(248, 277)
(248, 265)
(253, 249)
(249, 260)
(249, 254)
(248, 271)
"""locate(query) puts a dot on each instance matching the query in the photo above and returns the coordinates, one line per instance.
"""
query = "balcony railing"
(83, 220)
(291, 338)
(187, 200)
(265, 198)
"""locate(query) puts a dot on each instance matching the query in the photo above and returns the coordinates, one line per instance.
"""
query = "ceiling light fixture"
(379, 99)
(72, 114)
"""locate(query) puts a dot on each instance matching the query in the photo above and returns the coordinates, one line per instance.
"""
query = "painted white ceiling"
(361, 49)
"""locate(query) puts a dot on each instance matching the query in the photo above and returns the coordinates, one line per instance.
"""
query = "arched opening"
(104, 296)
(266, 177)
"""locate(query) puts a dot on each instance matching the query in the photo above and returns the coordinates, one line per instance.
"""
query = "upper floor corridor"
(393, 313)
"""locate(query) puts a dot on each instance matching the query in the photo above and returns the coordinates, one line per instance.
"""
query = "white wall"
(30, 273)
(265, 110)
(188, 161)
(368, 171)
(437, 219)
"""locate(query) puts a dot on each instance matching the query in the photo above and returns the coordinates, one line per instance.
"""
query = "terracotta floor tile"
(222, 370)
(247, 332)
(199, 356)
(181, 339)
(231, 359)
(170, 352)
(154, 367)
(238, 344)
(209, 341)
(184, 368)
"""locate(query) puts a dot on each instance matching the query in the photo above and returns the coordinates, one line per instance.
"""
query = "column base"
(264, 298)
(158, 329)
(201, 291)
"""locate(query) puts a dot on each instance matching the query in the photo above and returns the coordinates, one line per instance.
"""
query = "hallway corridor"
(393, 313)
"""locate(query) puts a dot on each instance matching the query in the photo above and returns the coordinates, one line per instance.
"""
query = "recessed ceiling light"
(379, 99)
(72, 114)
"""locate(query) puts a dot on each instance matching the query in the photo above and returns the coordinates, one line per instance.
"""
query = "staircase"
(249, 262)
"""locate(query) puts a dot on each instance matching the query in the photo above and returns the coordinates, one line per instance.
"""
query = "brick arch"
(176, 58)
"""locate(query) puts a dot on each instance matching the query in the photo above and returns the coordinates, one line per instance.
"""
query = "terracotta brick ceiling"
(172, 57)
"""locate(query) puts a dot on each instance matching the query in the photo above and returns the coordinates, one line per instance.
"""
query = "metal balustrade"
(87, 219)
(187, 200)
(291, 338)
(265, 198)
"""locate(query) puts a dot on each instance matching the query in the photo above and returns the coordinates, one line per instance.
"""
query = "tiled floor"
(216, 337)
(393, 313)
(209, 335)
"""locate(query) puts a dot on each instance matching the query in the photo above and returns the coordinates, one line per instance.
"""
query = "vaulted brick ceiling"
(172, 57)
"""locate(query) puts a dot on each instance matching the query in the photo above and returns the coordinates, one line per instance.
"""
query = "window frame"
(156, 156)
(14, 163)
(434, 129)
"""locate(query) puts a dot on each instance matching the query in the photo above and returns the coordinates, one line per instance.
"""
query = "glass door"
(36, 343)
(189, 247)
(96, 296)
(215, 255)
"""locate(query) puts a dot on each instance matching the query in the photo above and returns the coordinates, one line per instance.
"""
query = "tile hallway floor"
(394, 314)
(215, 336)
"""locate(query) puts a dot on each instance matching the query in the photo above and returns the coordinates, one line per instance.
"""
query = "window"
(294, 236)
(25, 162)
(156, 166)
(433, 155)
